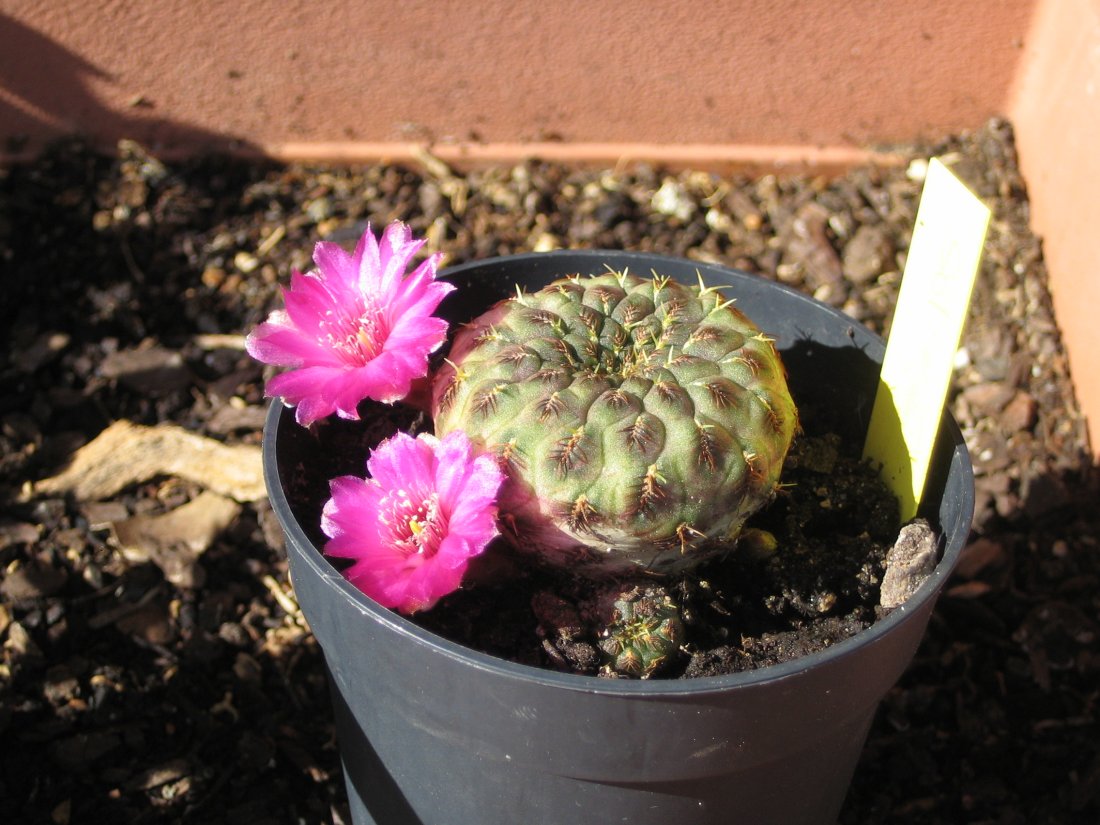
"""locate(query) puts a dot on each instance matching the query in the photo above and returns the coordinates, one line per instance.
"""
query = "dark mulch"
(133, 692)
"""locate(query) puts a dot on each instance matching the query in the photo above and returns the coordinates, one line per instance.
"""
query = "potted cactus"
(606, 426)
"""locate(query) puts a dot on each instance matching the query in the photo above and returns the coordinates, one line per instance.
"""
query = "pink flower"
(411, 527)
(355, 328)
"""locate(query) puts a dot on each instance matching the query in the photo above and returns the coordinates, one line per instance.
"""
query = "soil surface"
(806, 574)
(155, 667)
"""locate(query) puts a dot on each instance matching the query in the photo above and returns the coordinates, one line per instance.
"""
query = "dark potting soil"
(832, 518)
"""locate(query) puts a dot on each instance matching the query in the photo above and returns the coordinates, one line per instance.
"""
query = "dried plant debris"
(125, 454)
(908, 564)
(129, 693)
(175, 540)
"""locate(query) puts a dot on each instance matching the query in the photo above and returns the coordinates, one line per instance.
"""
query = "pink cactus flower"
(357, 327)
(411, 527)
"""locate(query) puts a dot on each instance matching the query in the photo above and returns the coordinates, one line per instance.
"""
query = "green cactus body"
(641, 421)
(645, 632)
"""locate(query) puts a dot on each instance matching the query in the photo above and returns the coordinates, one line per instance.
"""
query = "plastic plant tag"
(932, 306)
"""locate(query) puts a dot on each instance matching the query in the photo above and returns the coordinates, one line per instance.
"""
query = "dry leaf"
(148, 369)
(175, 540)
(171, 771)
(150, 622)
(126, 454)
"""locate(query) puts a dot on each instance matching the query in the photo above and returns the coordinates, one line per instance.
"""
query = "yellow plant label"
(924, 337)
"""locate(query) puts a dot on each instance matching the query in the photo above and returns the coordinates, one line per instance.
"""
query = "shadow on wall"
(47, 92)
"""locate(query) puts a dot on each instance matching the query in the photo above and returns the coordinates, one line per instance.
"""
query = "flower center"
(415, 524)
(357, 333)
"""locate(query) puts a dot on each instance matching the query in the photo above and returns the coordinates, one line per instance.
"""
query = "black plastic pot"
(433, 733)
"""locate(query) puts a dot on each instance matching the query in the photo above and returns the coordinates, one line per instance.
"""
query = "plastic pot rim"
(695, 687)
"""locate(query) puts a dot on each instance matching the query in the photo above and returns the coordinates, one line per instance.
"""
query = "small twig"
(285, 600)
(211, 341)
(131, 262)
(270, 242)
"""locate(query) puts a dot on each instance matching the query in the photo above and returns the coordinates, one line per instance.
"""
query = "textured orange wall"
(1056, 112)
(327, 77)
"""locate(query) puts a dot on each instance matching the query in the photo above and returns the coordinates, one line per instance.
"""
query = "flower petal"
(377, 379)
(369, 263)
(414, 342)
(407, 552)
(309, 301)
(473, 515)
(353, 503)
(464, 481)
(415, 298)
(404, 462)
(337, 267)
(277, 341)
(410, 316)
(455, 552)
(305, 389)
(395, 252)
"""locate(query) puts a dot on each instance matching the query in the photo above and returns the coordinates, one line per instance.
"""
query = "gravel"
(132, 693)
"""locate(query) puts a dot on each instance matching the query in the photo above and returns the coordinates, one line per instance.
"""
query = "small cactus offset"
(639, 421)
(645, 632)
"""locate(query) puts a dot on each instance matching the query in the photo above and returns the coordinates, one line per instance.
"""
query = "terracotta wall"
(1056, 111)
(688, 81)
(340, 77)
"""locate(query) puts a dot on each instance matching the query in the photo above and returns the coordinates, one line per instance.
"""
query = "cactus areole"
(640, 421)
